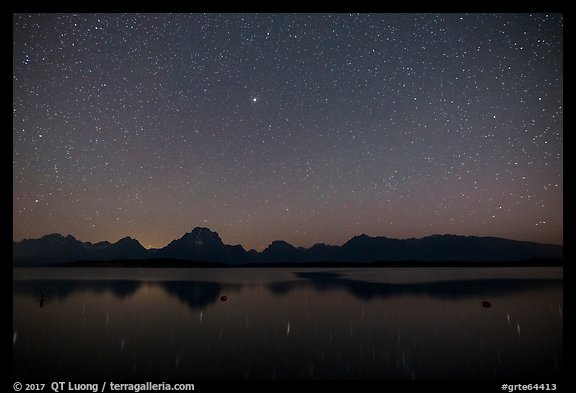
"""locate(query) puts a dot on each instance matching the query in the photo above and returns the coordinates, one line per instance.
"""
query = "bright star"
(254, 99)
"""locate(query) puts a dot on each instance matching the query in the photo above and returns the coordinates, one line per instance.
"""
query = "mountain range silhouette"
(202, 244)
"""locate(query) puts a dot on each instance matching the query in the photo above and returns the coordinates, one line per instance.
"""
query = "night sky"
(306, 128)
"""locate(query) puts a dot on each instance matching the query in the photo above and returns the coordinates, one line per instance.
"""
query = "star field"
(306, 128)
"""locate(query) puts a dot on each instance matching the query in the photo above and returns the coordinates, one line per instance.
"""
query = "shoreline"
(178, 263)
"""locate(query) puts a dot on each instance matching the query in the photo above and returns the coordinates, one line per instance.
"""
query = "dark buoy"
(486, 304)
(223, 298)
(41, 300)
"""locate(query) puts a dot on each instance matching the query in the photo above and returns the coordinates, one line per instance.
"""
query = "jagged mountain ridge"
(57, 248)
(202, 244)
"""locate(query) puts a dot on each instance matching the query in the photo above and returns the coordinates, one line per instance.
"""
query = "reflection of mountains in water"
(61, 289)
(366, 290)
(199, 294)
(195, 294)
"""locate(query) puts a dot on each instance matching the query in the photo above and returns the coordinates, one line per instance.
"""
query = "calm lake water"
(288, 323)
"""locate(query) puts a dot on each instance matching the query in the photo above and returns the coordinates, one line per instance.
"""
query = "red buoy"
(486, 304)
(223, 298)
